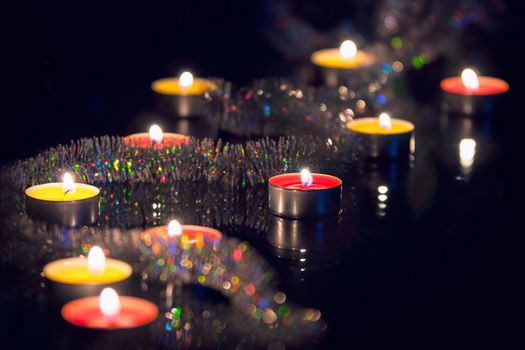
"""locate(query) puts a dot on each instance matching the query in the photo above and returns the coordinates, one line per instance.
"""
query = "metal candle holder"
(304, 203)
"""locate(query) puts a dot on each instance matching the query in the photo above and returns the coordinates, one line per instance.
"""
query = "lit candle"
(470, 93)
(384, 136)
(184, 94)
(340, 64)
(304, 195)
(160, 238)
(82, 276)
(156, 138)
(65, 203)
(110, 311)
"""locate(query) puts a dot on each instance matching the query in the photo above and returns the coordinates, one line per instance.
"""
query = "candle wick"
(67, 192)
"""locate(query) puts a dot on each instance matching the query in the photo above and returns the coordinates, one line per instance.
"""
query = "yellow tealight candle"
(86, 275)
(384, 136)
(185, 95)
(347, 56)
(66, 203)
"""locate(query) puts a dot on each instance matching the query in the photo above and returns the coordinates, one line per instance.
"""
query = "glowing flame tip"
(155, 133)
(385, 122)
(470, 78)
(306, 178)
(68, 185)
(186, 79)
(348, 49)
(96, 260)
(174, 228)
(109, 302)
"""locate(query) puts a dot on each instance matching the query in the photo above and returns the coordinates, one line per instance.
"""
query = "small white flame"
(348, 49)
(174, 228)
(470, 79)
(186, 79)
(68, 185)
(155, 133)
(385, 122)
(109, 302)
(96, 261)
(306, 178)
(467, 151)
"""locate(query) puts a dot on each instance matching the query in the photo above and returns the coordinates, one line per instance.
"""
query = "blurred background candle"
(340, 65)
(64, 203)
(156, 138)
(470, 93)
(80, 276)
(384, 136)
(110, 311)
(185, 96)
(304, 195)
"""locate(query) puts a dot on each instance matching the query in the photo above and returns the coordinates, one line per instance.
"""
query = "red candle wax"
(169, 139)
(487, 86)
(192, 233)
(134, 312)
(293, 181)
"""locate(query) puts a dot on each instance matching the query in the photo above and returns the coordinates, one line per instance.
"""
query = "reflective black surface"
(434, 261)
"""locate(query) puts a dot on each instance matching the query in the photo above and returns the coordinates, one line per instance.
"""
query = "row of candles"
(295, 195)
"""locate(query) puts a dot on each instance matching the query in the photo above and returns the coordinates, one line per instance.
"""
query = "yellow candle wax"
(54, 192)
(171, 86)
(76, 271)
(371, 126)
(331, 58)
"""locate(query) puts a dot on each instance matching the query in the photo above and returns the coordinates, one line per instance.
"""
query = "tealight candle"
(304, 195)
(65, 203)
(110, 311)
(74, 277)
(156, 138)
(185, 95)
(384, 136)
(470, 93)
(339, 65)
(163, 237)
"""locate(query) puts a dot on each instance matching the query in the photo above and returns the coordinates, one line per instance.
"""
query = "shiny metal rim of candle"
(463, 104)
(395, 146)
(298, 204)
(185, 106)
(66, 213)
(62, 292)
(334, 77)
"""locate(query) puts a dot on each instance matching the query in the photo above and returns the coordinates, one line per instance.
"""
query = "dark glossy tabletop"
(426, 253)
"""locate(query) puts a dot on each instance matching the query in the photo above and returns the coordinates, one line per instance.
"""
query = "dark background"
(75, 69)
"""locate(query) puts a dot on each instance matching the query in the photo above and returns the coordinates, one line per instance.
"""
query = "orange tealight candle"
(110, 311)
(339, 65)
(470, 93)
(384, 136)
(185, 95)
(156, 138)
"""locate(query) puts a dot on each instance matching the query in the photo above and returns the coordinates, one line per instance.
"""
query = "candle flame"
(155, 133)
(306, 178)
(186, 79)
(68, 185)
(109, 302)
(174, 228)
(96, 261)
(385, 122)
(470, 78)
(467, 151)
(348, 49)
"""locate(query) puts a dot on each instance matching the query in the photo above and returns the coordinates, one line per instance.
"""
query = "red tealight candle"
(156, 139)
(470, 93)
(304, 195)
(160, 237)
(109, 311)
